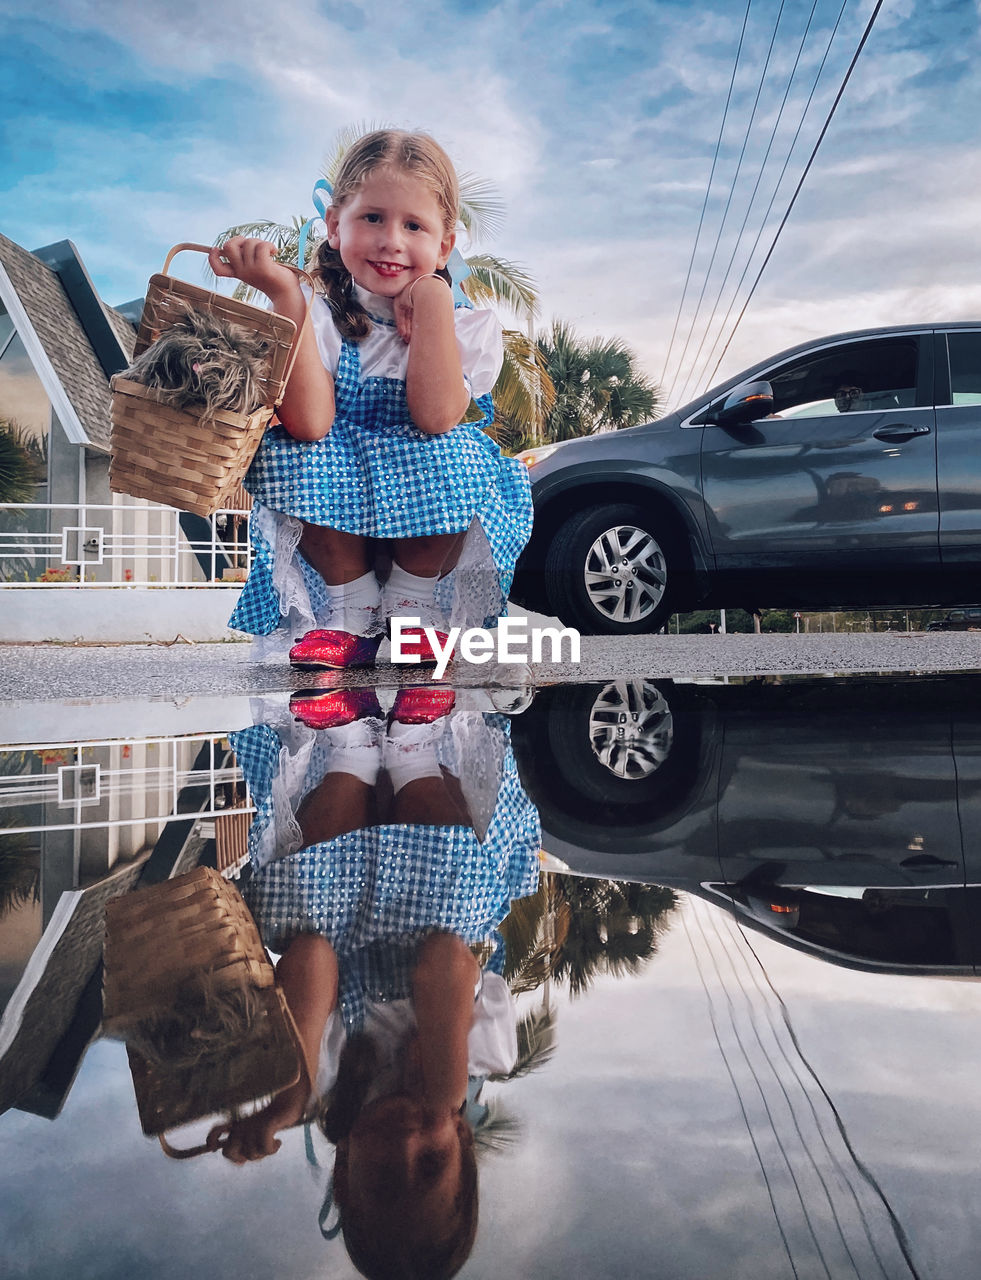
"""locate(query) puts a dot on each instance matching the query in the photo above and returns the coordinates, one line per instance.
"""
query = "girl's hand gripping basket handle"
(302, 275)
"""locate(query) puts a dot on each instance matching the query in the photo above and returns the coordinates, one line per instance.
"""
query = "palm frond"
(536, 1043)
(482, 211)
(495, 280)
(22, 463)
(523, 394)
(502, 1129)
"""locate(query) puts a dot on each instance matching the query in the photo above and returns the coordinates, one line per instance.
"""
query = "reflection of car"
(958, 620)
(841, 472)
(837, 814)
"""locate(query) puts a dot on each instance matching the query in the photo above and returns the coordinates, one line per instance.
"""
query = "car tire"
(581, 564)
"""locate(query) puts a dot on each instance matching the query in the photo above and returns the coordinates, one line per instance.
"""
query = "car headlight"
(532, 457)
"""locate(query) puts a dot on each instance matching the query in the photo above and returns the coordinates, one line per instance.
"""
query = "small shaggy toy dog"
(205, 364)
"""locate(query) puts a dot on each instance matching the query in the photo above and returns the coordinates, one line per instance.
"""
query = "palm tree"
(22, 458)
(598, 386)
(523, 392)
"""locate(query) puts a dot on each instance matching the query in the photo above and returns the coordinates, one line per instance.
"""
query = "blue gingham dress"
(376, 474)
(377, 892)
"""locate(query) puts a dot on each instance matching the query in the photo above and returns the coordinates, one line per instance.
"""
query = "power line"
(708, 190)
(797, 190)
(773, 197)
(752, 198)
(732, 191)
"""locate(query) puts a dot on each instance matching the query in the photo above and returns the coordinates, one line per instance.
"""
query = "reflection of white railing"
(114, 783)
(92, 545)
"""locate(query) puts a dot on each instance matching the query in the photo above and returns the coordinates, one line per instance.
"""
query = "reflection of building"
(88, 806)
(93, 818)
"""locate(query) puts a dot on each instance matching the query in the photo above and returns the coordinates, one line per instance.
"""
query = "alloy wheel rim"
(631, 729)
(625, 574)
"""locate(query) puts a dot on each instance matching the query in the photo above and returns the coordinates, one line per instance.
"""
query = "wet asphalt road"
(55, 672)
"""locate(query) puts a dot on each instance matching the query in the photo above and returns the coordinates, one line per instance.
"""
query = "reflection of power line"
(837, 1165)
(867, 1174)
(708, 192)
(739, 1098)
(792, 1120)
(797, 190)
(768, 1110)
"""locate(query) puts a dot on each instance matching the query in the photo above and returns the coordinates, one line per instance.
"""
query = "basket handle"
(307, 279)
(213, 1142)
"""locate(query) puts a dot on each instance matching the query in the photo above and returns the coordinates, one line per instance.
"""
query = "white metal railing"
(81, 783)
(59, 544)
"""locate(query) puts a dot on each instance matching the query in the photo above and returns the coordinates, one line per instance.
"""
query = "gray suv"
(845, 471)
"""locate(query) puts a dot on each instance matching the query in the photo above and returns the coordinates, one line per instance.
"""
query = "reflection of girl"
(397, 1016)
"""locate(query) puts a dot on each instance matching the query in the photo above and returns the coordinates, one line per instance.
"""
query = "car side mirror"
(748, 403)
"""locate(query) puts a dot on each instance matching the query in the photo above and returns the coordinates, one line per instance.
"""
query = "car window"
(857, 377)
(964, 353)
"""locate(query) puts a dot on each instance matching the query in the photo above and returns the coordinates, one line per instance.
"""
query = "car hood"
(607, 444)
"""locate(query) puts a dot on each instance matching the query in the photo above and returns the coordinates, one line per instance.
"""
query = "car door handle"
(900, 431)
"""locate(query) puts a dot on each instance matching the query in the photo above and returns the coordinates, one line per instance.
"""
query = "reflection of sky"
(634, 1159)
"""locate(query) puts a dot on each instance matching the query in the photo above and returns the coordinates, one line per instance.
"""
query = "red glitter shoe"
(414, 640)
(318, 710)
(423, 705)
(337, 649)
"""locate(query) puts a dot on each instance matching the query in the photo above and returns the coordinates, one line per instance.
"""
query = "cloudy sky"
(127, 128)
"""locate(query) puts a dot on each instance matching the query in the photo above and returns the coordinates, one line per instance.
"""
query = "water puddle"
(566, 982)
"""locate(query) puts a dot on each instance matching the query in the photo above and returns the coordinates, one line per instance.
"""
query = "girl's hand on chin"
(254, 263)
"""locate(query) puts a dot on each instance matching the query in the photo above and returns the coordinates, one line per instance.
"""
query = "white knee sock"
(353, 606)
(407, 595)
(409, 752)
(355, 749)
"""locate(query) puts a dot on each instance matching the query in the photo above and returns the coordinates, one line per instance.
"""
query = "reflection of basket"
(160, 939)
(173, 455)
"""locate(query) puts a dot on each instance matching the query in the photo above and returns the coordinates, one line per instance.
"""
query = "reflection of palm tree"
(600, 926)
(614, 927)
(20, 864)
(523, 391)
(533, 931)
(20, 872)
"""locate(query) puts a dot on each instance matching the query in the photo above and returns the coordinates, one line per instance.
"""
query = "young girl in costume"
(380, 857)
(371, 445)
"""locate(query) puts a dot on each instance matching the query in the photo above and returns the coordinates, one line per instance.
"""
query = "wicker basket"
(175, 456)
(157, 940)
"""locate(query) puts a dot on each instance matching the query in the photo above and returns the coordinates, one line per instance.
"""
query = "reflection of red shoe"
(338, 649)
(422, 705)
(330, 710)
(414, 640)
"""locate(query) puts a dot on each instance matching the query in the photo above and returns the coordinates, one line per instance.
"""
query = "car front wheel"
(610, 570)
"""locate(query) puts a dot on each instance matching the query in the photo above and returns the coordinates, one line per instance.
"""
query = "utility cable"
(752, 200)
(867, 1174)
(739, 1098)
(781, 1146)
(732, 191)
(708, 191)
(797, 190)
(798, 1079)
(773, 197)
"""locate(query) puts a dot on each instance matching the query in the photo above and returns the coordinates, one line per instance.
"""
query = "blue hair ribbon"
(321, 206)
